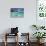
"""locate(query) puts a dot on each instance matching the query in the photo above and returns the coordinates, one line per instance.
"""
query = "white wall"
(23, 23)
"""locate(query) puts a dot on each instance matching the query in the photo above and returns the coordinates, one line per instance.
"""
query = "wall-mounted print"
(41, 8)
(17, 12)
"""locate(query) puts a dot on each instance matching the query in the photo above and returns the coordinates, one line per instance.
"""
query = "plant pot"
(40, 41)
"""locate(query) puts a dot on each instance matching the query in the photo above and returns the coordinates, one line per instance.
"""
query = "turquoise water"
(17, 14)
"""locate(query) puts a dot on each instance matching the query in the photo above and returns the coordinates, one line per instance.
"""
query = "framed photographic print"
(41, 12)
(17, 12)
(41, 8)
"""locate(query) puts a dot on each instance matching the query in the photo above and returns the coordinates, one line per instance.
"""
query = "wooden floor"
(13, 44)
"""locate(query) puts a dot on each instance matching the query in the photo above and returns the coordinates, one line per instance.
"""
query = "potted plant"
(39, 35)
